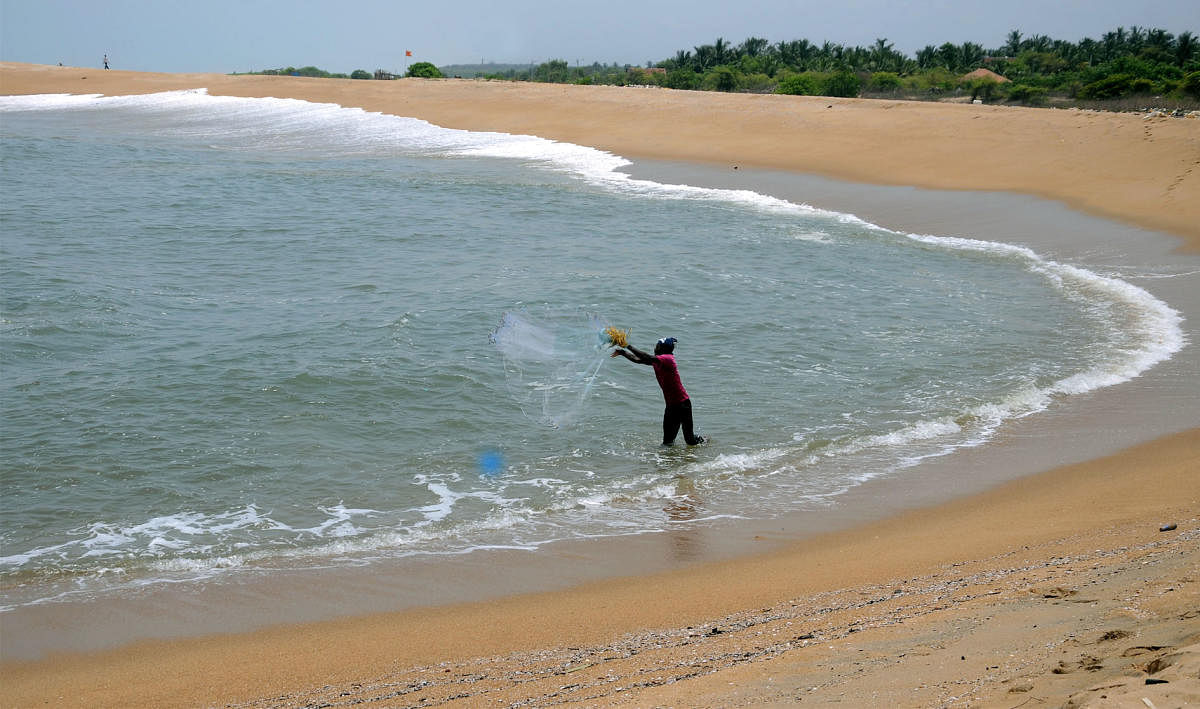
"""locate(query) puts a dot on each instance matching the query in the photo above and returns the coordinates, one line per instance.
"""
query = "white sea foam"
(47, 102)
(190, 532)
(1156, 329)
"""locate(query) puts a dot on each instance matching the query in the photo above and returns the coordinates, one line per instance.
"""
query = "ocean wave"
(285, 122)
(183, 533)
(1145, 332)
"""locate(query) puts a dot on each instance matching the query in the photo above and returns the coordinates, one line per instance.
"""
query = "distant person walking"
(105, 61)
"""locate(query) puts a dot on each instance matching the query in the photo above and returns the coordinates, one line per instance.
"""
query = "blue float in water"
(491, 463)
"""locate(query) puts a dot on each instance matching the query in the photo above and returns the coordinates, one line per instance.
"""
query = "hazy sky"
(243, 35)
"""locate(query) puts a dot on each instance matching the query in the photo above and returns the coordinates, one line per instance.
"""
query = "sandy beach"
(1058, 587)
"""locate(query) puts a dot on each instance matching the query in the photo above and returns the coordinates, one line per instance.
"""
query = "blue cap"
(667, 341)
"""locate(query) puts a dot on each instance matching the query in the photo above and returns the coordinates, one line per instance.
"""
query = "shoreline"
(1013, 555)
(464, 640)
(1144, 171)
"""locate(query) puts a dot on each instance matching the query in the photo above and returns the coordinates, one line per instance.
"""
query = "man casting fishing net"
(679, 406)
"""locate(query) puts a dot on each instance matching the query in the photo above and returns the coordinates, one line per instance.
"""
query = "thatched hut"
(982, 73)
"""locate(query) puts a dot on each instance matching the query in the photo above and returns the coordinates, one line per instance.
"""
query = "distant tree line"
(1123, 65)
(310, 71)
(419, 69)
(1137, 62)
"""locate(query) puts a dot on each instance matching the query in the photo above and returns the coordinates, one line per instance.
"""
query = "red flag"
(408, 52)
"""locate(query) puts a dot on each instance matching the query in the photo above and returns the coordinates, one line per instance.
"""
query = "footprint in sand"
(1056, 592)
(1142, 650)
(1085, 662)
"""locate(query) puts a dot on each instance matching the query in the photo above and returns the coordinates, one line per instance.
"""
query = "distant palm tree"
(1038, 43)
(1159, 38)
(721, 51)
(1012, 45)
(1137, 39)
(971, 54)
(1185, 47)
(1113, 43)
(681, 60)
(795, 54)
(1089, 50)
(948, 56)
(753, 47)
(883, 57)
(829, 57)
(927, 57)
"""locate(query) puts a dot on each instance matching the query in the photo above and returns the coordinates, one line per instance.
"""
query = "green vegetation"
(420, 69)
(310, 71)
(1028, 95)
(471, 71)
(424, 70)
(1133, 68)
(1122, 65)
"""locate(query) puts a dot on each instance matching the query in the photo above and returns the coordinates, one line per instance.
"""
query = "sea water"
(250, 334)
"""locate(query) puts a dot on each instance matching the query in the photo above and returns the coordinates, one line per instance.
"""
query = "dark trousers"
(677, 415)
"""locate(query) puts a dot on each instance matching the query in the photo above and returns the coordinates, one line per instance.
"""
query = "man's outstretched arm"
(633, 355)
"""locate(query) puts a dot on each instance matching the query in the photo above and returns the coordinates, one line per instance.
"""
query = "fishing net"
(551, 359)
(620, 338)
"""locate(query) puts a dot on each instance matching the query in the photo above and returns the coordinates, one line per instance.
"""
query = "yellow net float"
(616, 336)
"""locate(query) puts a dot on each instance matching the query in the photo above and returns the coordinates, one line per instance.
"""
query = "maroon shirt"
(667, 373)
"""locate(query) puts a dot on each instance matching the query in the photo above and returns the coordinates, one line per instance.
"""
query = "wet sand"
(864, 615)
(1048, 585)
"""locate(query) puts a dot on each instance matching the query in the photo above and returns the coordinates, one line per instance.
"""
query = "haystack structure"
(982, 73)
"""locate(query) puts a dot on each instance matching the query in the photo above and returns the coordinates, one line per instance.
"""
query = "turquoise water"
(247, 334)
